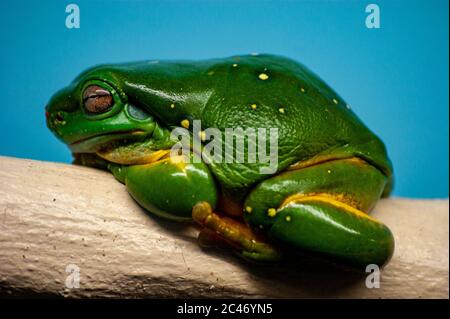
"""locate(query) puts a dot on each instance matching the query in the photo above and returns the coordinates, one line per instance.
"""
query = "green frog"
(329, 172)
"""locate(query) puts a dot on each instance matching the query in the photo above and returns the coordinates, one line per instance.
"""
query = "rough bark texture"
(53, 215)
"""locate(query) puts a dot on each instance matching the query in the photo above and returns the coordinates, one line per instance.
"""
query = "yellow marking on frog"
(172, 106)
(202, 135)
(329, 171)
(179, 161)
(302, 90)
(327, 199)
(156, 156)
(248, 209)
(254, 106)
(281, 110)
(211, 73)
(132, 158)
(271, 212)
(287, 218)
(320, 159)
(340, 197)
(335, 101)
(263, 76)
(185, 123)
(357, 161)
(235, 65)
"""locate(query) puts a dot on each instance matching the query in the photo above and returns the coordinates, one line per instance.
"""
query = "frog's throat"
(143, 150)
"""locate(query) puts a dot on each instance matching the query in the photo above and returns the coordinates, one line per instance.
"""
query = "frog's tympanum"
(330, 168)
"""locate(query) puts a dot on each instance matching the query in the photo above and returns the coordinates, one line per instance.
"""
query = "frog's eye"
(97, 100)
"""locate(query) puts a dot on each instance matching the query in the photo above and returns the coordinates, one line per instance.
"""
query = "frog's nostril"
(59, 117)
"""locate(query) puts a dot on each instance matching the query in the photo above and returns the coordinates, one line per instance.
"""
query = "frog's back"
(253, 91)
(267, 91)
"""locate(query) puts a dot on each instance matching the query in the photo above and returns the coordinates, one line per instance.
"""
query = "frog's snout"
(58, 108)
(55, 119)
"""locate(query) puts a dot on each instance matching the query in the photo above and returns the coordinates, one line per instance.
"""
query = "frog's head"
(95, 110)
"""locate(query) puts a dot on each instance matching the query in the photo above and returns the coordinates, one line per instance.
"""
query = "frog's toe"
(333, 229)
(224, 231)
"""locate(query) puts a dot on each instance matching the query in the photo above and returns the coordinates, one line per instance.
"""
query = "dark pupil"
(97, 99)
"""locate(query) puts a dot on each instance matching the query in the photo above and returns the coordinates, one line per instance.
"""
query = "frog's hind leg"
(334, 229)
(323, 209)
(219, 230)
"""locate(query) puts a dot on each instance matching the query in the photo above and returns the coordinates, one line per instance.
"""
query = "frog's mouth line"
(109, 134)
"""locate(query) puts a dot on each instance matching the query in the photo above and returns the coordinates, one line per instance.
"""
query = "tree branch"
(54, 215)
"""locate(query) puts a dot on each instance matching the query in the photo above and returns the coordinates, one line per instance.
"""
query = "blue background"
(395, 78)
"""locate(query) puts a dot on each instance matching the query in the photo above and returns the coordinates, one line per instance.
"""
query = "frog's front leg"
(169, 187)
(323, 209)
(179, 189)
